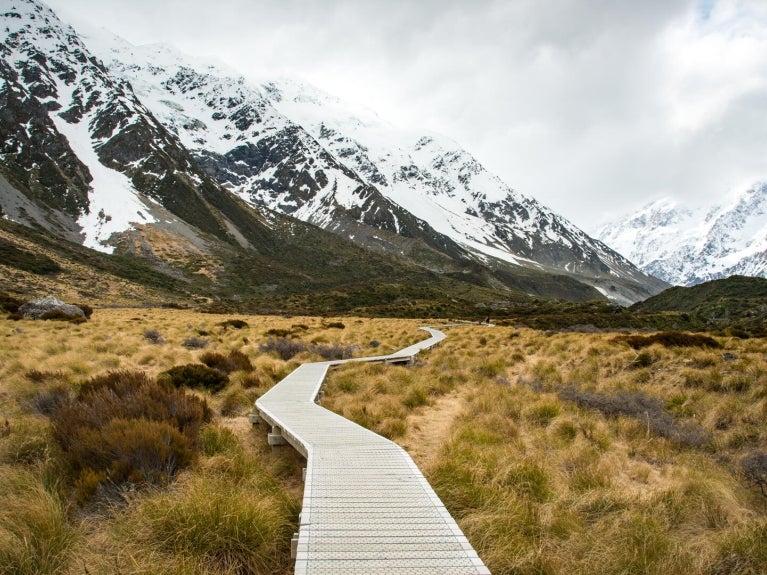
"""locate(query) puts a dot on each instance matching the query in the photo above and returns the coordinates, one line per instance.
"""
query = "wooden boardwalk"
(367, 509)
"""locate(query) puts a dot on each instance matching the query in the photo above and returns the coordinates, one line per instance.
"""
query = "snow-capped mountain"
(295, 149)
(86, 157)
(687, 246)
(152, 142)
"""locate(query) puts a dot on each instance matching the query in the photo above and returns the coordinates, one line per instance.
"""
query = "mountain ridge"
(116, 160)
(688, 245)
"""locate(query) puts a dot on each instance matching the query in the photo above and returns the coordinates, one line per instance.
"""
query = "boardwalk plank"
(367, 509)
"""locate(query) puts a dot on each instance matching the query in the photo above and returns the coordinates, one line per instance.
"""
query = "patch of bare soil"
(429, 429)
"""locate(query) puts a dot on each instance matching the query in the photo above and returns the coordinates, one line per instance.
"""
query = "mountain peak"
(687, 245)
(151, 135)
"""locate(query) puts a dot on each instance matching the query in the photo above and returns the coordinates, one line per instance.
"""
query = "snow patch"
(114, 203)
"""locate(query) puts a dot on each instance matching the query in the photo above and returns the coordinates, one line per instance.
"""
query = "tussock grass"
(553, 468)
(539, 483)
(35, 536)
(252, 493)
(224, 527)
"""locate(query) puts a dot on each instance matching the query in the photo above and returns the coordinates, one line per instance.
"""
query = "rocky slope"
(154, 154)
(690, 245)
(292, 148)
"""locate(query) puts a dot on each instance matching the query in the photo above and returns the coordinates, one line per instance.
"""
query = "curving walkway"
(367, 509)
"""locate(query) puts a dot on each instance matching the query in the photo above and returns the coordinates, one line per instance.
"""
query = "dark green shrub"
(195, 376)
(37, 376)
(234, 323)
(87, 310)
(128, 395)
(277, 332)
(59, 315)
(670, 339)
(9, 304)
(754, 468)
(334, 325)
(38, 264)
(643, 359)
(174, 305)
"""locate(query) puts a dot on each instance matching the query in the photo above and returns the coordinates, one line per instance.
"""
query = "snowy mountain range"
(690, 245)
(107, 143)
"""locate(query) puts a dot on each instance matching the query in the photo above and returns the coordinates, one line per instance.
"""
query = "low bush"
(195, 342)
(647, 409)
(10, 304)
(334, 325)
(47, 401)
(277, 332)
(127, 451)
(754, 468)
(285, 348)
(59, 315)
(195, 376)
(670, 339)
(154, 336)
(234, 323)
(37, 376)
(125, 428)
(235, 361)
(87, 310)
(331, 352)
(643, 359)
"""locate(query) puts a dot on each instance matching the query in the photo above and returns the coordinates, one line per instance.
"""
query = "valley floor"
(555, 452)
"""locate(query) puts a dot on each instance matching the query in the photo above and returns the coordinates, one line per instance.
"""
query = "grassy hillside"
(556, 452)
(737, 301)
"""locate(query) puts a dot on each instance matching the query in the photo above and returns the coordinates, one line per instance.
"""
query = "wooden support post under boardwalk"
(275, 438)
(367, 508)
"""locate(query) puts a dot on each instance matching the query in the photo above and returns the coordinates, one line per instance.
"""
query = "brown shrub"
(195, 376)
(235, 361)
(123, 427)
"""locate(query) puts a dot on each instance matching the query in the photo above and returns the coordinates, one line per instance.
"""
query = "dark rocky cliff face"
(35, 156)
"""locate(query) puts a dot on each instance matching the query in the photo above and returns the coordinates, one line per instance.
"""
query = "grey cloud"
(570, 101)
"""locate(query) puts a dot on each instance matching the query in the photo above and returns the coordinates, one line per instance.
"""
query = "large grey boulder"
(50, 306)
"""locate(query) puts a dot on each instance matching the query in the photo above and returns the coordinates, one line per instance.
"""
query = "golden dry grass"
(538, 483)
(234, 512)
(541, 485)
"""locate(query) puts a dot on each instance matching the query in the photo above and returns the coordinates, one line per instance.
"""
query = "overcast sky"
(593, 107)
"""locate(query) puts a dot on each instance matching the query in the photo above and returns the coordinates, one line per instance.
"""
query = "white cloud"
(593, 107)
